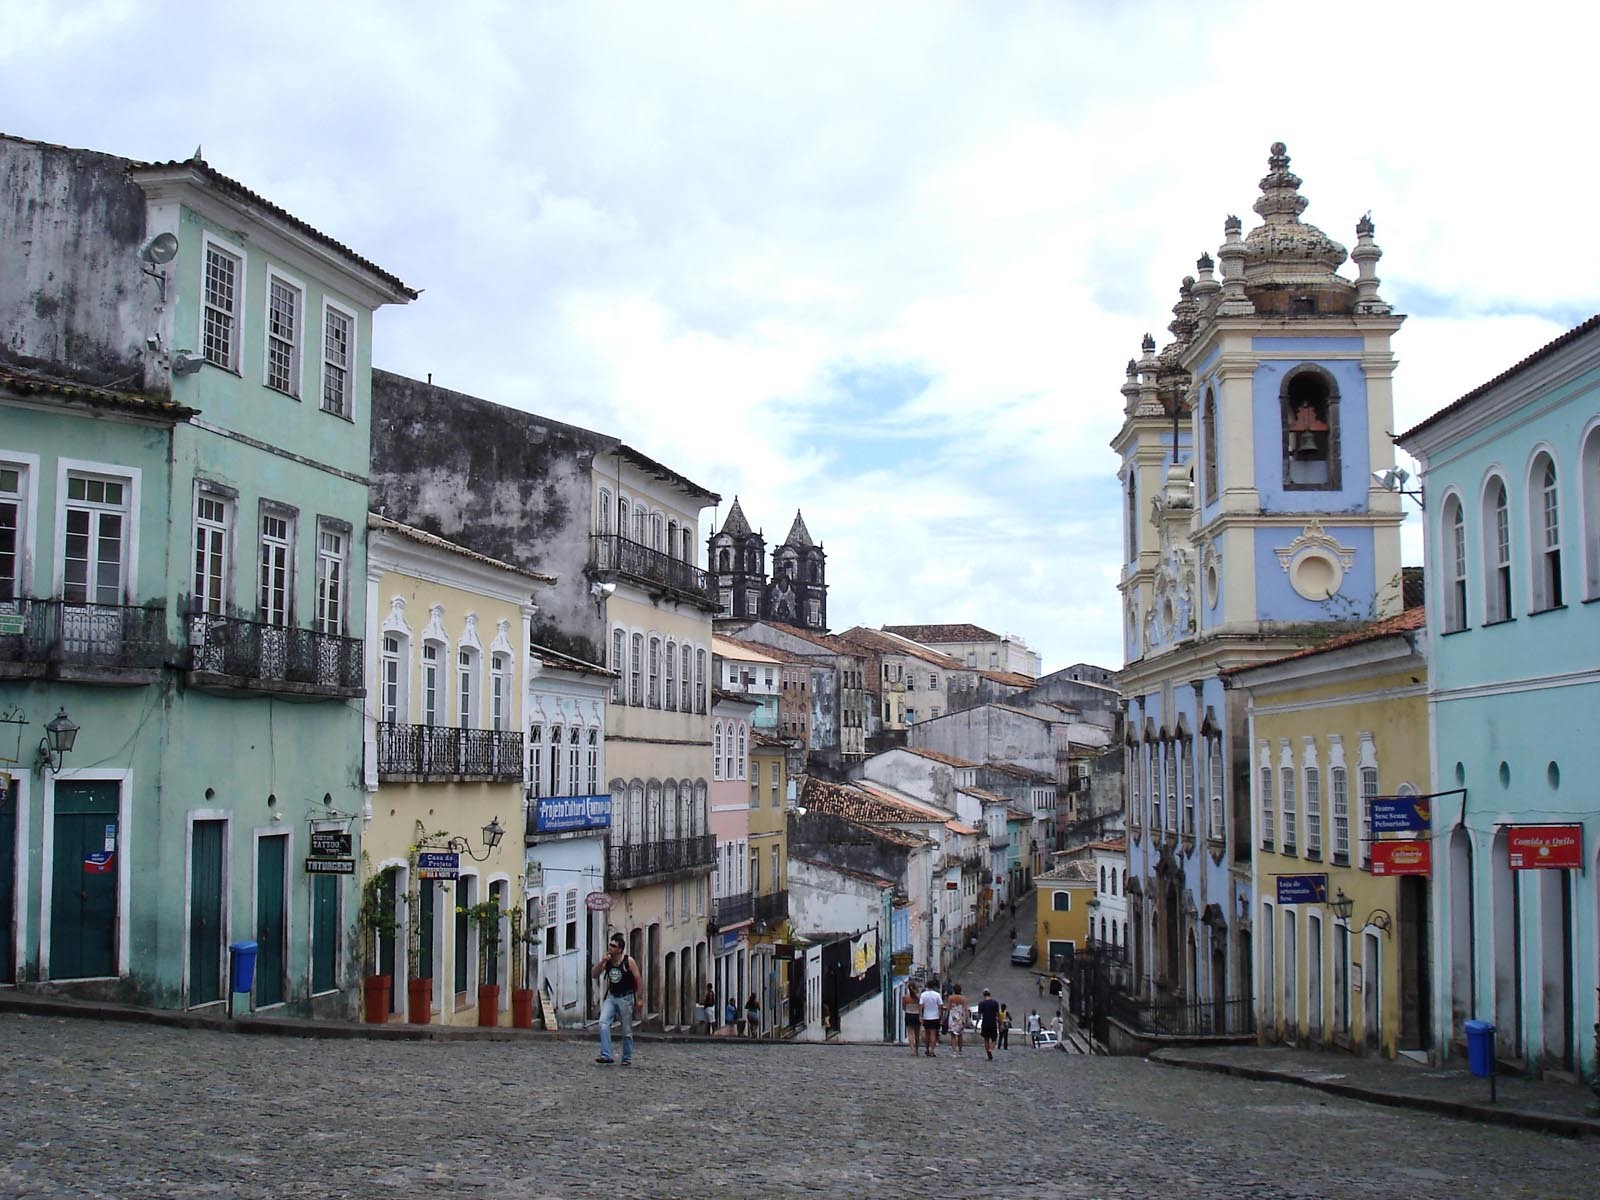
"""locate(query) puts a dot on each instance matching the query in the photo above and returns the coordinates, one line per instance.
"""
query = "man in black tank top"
(621, 976)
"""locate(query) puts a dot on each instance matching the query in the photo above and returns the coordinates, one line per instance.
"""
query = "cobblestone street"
(108, 1109)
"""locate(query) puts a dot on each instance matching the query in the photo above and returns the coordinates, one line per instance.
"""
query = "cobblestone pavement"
(91, 1109)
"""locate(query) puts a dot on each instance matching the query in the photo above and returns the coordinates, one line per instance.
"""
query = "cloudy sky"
(882, 262)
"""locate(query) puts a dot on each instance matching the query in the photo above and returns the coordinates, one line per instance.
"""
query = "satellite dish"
(162, 248)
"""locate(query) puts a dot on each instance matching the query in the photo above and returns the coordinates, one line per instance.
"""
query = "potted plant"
(521, 996)
(485, 918)
(376, 918)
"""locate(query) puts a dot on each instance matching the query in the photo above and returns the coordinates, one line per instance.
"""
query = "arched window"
(688, 682)
(1208, 444)
(1453, 533)
(640, 524)
(672, 676)
(602, 516)
(1133, 515)
(656, 526)
(743, 757)
(619, 810)
(1113, 881)
(622, 516)
(1310, 408)
(1496, 553)
(652, 812)
(636, 831)
(716, 750)
(617, 665)
(669, 806)
(1102, 877)
(700, 681)
(636, 670)
(1544, 529)
(687, 535)
(654, 694)
(672, 539)
(724, 560)
(1589, 469)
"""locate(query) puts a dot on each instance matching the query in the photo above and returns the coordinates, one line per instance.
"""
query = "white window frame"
(209, 243)
(434, 715)
(619, 663)
(1186, 781)
(499, 689)
(1339, 799)
(653, 661)
(535, 759)
(268, 547)
(716, 750)
(1498, 601)
(297, 344)
(687, 682)
(1453, 544)
(700, 680)
(743, 759)
(592, 761)
(1544, 531)
(574, 759)
(1290, 827)
(466, 686)
(391, 678)
(1311, 797)
(26, 498)
(670, 690)
(602, 521)
(213, 513)
(1266, 802)
(131, 478)
(326, 564)
(1368, 785)
(348, 410)
(636, 670)
(1215, 777)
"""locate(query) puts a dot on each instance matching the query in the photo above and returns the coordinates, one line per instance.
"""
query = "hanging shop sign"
(438, 864)
(1401, 814)
(1402, 858)
(1551, 847)
(330, 843)
(784, 951)
(1302, 889)
(330, 866)
(598, 902)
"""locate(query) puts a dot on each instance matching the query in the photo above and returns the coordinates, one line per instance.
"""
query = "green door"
(463, 931)
(85, 866)
(205, 913)
(8, 879)
(271, 920)
(427, 902)
(324, 932)
(386, 943)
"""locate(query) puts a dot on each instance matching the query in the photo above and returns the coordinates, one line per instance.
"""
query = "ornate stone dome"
(1284, 250)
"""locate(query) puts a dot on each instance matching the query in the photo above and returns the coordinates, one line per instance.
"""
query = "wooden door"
(86, 864)
(205, 912)
(272, 925)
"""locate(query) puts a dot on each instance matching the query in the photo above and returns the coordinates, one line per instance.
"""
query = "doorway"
(1372, 992)
(1415, 976)
(206, 845)
(85, 868)
(8, 880)
(272, 918)
(1556, 951)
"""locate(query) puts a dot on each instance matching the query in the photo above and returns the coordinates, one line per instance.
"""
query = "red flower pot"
(522, 1008)
(375, 991)
(488, 1004)
(419, 1001)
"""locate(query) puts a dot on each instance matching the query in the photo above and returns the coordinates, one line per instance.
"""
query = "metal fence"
(58, 632)
(1187, 1018)
(629, 862)
(225, 645)
(732, 910)
(440, 752)
(773, 907)
(649, 565)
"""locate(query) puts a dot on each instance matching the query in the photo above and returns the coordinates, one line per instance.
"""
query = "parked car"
(1049, 1039)
(1023, 955)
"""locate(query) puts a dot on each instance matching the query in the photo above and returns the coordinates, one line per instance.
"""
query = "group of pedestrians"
(930, 1012)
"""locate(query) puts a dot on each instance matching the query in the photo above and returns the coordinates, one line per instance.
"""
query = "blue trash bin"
(1480, 1047)
(242, 965)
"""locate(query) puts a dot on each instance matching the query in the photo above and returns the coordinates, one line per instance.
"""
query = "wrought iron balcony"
(232, 652)
(82, 641)
(773, 907)
(425, 752)
(651, 567)
(727, 911)
(635, 865)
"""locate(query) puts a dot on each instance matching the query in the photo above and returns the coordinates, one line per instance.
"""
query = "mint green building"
(184, 447)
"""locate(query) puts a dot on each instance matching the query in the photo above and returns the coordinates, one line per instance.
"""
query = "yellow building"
(657, 606)
(1340, 937)
(447, 639)
(1061, 923)
(769, 875)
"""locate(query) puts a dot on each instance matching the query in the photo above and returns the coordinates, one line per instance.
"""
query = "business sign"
(1400, 814)
(533, 877)
(783, 951)
(12, 624)
(330, 843)
(1402, 858)
(1532, 847)
(1302, 889)
(564, 814)
(330, 866)
(438, 864)
(597, 902)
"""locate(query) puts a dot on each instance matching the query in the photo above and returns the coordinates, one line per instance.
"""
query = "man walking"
(1035, 1027)
(932, 1005)
(988, 1022)
(621, 975)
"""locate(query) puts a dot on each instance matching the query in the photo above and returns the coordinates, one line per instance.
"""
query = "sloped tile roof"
(933, 635)
(434, 541)
(557, 661)
(32, 383)
(862, 805)
(949, 760)
(862, 876)
(1009, 678)
(878, 642)
(1073, 872)
(1403, 622)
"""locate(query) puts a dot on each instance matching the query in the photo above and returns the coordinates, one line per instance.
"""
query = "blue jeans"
(618, 1008)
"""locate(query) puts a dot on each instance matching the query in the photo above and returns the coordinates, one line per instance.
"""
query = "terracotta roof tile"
(949, 760)
(863, 876)
(1403, 622)
(557, 661)
(32, 383)
(936, 634)
(863, 805)
(433, 540)
(1075, 871)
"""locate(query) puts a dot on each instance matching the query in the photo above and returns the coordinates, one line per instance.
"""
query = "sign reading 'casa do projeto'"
(1552, 847)
(1402, 858)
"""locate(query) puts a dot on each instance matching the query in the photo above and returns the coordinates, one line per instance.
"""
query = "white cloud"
(880, 262)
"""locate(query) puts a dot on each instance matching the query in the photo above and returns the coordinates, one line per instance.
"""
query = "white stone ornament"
(1316, 562)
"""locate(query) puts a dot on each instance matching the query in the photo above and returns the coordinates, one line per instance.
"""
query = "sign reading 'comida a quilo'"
(563, 814)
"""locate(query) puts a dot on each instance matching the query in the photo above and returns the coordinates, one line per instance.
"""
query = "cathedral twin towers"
(796, 594)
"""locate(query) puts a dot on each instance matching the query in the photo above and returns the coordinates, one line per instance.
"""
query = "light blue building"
(1511, 476)
(1253, 525)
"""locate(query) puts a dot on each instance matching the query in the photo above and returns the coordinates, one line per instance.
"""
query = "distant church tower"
(737, 559)
(798, 594)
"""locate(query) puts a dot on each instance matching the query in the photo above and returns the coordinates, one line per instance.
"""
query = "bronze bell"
(1304, 427)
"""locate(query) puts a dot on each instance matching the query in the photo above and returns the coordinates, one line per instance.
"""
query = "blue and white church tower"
(1253, 522)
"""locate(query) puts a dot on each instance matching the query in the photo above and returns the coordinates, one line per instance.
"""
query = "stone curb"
(49, 1006)
(1517, 1118)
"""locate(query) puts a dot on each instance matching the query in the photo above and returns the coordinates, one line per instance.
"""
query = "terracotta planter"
(375, 991)
(522, 1008)
(419, 1001)
(488, 1004)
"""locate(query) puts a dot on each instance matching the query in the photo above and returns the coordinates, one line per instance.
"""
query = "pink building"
(734, 882)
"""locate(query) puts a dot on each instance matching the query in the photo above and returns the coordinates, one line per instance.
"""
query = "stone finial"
(1280, 201)
(1205, 289)
(1148, 345)
(1231, 224)
(1366, 255)
(1204, 264)
(1183, 322)
(1130, 389)
(1234, 301)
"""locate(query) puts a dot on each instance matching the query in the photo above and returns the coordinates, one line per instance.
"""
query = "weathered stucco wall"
(510, 484)
(71, 293)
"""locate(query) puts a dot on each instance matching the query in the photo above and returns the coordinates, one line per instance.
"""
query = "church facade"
(796, 592)
(1253, 526)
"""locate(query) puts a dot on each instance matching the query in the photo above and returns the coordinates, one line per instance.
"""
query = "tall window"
(536, 761)
(622, 516)
(1290, 809)
(276, 557)
(688, 685)
(743, 761)
(96, 543)
(210, 552)
(1313, 809)
(330, 579)
(687, 547)
(672, 676)
(1208, 435)
(1310, 434)
(1214, 771)
(1589, 488)
(655, 673)
(1545, 525)
(283, 336)
(220, 323)
(1186, 749)
(1153, 779)
(1340, 800)
(13, 520)
(636, 670)
(430, 684)
(553, 778)
(593, 762)
(1497, 553)
(777, 786)
(716, 749)
(700, 681)
(1171, 749)
(1135, 796)
(1455, 548)
(497, 691)
(467, 686)
(574, 761)
(640, 519)
(391, 679)
(1267, 802)
(655, 531)
(338, 360)
(602, 516)
(618, 666)
(1369, 793)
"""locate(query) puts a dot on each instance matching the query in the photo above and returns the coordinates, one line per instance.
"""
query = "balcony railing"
(258, 656)
(732, 910)
(64, 637)
(634, 864)
(650, 566)
(773, 907)
(438, 752)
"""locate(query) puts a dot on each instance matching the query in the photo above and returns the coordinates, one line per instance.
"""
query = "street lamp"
(59, 736)
(1342, 906)
(492, 833)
